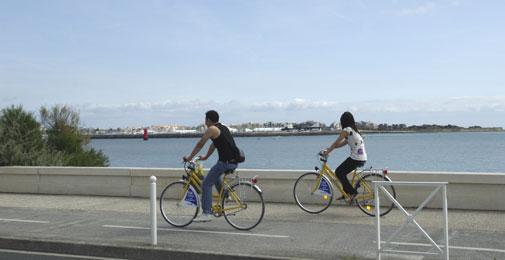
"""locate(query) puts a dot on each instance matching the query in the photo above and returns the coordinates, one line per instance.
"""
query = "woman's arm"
(338, 143)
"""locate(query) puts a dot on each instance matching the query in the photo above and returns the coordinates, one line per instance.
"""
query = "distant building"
(335, 126)
(267, 129)
(186, 131)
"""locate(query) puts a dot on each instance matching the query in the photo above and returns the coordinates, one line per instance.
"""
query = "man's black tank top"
(224, 144)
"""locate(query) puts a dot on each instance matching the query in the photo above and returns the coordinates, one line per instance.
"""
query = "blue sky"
(137, 63)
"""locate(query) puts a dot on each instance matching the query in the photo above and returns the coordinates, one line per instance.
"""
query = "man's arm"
(209, 152)
(211, 132)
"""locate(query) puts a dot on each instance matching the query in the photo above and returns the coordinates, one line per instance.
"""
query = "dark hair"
(212, 116)
(347, 120)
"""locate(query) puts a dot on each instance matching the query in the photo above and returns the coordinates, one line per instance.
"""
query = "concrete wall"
(482, 191)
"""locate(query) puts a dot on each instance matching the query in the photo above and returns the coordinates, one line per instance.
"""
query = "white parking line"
(452, 247)
(23, 220)
(23, 252)
(200, 231)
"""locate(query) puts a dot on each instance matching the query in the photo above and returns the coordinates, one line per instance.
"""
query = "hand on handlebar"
(203, 157)
(324, 152)
(191, 159)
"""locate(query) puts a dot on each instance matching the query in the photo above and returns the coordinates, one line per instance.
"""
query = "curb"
(115, 251)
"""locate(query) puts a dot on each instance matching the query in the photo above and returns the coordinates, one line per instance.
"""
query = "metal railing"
(410, 218)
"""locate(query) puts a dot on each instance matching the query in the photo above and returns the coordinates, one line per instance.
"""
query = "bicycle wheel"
(366, 196)
(308, 195)
(244, 206)
(174, 206)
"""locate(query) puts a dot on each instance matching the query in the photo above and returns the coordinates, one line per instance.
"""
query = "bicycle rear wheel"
(244, 206)
(307, 196)
(174, 209)
(366, 196)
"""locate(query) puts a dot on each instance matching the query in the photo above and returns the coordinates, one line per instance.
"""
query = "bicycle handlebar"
(191, 165)
(322, 157)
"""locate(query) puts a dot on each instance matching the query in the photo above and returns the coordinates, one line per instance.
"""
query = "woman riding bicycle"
(352, 137)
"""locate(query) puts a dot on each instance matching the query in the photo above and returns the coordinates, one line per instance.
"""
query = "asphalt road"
(286, 231)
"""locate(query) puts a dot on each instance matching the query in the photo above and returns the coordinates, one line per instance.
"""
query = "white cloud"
(295, 104)
(463, 110)
(455, 2)
(418, 10)
(454, 104)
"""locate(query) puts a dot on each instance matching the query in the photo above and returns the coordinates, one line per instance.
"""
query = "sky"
(140, 63)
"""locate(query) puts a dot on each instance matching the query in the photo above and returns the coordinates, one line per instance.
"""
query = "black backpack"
(240, 156)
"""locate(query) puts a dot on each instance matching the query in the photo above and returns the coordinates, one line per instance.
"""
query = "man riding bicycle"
(222, 140)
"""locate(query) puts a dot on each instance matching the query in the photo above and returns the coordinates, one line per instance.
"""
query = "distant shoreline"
(297, 133)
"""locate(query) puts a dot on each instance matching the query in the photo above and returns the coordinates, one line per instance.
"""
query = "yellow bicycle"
(314, 191)
(239, 200)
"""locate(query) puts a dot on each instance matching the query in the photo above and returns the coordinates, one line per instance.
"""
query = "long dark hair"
(346, 120)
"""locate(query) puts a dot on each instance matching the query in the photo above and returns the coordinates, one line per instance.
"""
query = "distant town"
(275, 128)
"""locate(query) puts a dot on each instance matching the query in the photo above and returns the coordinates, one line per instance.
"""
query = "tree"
(20, 137)
(61, 124)
(21, 141)
(63, 135)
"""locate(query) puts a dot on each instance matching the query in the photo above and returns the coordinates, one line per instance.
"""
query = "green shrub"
(63, 135)
(21, 141)
(87, 158)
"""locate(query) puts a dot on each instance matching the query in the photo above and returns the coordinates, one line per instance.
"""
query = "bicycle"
(313, 191)
(239, 200)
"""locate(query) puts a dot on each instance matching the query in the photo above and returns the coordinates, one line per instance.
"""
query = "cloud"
(455, 2)
(8, 99)
(191, 111)
(418, 10)
(454, 104)
(298, 103)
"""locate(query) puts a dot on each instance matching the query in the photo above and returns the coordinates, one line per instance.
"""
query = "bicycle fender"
(387, 178)
(257, 188)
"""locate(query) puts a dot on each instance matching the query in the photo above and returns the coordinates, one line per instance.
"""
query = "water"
(466, 152)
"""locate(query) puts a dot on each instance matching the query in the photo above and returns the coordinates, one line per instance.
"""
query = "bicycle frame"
(335, 182)
(192, 179)
(314, 191)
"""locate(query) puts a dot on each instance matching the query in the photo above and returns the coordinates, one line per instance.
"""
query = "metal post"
(377, 214)
(154, 232)
(446, 222)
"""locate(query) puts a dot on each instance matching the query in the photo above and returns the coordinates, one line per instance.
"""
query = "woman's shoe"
(352, 197)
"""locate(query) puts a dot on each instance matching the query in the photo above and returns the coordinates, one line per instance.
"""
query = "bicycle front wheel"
(308, 195)
(243, 206)
(366, 196)
(174, 209)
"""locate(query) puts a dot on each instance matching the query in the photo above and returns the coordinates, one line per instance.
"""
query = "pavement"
(118, 228)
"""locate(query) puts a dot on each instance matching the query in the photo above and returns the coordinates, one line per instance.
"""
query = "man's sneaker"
(203, 218)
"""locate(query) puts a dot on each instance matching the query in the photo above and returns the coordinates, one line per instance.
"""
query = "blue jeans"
(213, 177)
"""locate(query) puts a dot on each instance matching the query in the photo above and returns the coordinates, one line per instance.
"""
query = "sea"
(452, 152)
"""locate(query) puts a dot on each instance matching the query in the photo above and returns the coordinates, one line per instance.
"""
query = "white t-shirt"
(355, 141)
